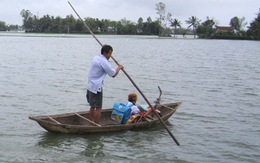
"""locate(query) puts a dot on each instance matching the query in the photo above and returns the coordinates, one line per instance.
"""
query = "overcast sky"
(220, 10)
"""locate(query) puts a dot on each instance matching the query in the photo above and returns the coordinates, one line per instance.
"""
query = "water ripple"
(216, 80)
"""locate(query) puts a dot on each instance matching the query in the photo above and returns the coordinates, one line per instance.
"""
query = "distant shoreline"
(73, 35)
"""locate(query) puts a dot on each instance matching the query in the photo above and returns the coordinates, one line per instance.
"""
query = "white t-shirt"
(134, 109)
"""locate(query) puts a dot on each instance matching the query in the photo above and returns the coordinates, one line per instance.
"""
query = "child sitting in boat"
(132, 98)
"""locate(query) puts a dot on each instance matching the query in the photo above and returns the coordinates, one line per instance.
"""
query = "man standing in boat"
(100, 67)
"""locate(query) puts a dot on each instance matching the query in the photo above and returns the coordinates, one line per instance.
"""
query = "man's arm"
(117, 70)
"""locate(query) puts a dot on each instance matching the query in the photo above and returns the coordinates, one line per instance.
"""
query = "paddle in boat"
(79, 122)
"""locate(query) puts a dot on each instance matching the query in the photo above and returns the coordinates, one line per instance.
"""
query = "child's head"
(132, 97)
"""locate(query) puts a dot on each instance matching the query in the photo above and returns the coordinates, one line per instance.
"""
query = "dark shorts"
(94, 100)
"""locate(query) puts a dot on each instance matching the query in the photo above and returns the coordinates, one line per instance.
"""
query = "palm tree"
(175, 23)
(238, 23)
(194, 22)
(254, 28)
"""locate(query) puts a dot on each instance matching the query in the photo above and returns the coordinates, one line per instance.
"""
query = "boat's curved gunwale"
(53, 126)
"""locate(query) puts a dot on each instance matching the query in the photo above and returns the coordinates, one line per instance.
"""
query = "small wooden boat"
(78, 122)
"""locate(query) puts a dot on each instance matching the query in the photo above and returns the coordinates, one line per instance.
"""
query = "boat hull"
(71, 123)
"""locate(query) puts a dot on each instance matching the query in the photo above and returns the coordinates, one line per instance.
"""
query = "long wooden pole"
(160, 119)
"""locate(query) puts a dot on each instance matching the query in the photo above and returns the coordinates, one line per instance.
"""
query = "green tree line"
(209, 29)
(5, 27)
(164, 25)
(69, 24)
